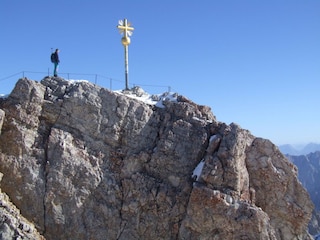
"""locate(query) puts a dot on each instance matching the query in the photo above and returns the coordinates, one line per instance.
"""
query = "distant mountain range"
(296, 151)
(309, 175)
(307, 159)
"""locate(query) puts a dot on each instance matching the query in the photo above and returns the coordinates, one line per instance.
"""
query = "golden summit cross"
(126, 30)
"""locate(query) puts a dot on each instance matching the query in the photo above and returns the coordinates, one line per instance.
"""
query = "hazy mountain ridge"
(299, 150)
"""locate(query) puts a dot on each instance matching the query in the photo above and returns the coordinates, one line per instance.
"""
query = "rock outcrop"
(12, 224)
(309, 175)
(82, 162)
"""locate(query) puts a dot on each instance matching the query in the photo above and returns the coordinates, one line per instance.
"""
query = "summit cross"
(125, 28)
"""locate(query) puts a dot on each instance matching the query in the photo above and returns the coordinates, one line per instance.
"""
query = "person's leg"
(55, 71)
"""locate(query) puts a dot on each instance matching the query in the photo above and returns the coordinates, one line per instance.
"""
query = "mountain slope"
(309, 175)
(82, 162)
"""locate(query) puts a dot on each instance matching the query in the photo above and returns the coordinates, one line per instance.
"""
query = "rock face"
(309, 175)
(82, 162)
(12, 224)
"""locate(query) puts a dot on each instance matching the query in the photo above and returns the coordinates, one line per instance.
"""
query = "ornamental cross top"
(124, 28)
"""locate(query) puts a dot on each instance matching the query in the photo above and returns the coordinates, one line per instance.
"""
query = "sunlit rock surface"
(83, 162)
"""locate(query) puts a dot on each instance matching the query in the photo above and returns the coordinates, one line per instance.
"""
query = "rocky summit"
(81, 162)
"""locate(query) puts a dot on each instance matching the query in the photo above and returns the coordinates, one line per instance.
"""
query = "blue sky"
(255, 63)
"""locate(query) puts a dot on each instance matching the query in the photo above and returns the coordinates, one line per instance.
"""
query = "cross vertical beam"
(125, 29)
(126, 66)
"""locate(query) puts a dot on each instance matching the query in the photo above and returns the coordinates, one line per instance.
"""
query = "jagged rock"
(278, 192)
(82, 162)
(212, 215)
(12, 224)
(309, 175)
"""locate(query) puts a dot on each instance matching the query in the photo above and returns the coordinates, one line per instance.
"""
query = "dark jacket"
(55, 58)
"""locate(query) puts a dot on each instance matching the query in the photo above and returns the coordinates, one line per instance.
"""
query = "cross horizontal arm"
(125, 28)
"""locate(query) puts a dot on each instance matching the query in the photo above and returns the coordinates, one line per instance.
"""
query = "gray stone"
(82, 162)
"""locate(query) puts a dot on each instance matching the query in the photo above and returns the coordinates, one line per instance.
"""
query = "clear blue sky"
(255, 63)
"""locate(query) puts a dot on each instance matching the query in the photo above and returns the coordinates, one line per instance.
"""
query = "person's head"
(57, 50)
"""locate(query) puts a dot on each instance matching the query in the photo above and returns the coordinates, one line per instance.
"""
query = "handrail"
(94, 77)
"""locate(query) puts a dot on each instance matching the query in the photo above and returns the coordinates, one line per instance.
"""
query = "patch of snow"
(73, 81)
(201, 119)
(197, 119)
(229, 199)
(159, 104)
(4, 95)
(197, 171)
(275, 169)
(212, 138)
(157, 99)
(167, 96)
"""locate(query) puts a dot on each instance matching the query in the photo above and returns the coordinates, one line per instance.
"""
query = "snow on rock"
(74, 81)
(213, 137)
(197, 171)
(155, 99)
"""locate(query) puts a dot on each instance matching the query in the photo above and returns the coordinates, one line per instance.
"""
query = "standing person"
(55, 60)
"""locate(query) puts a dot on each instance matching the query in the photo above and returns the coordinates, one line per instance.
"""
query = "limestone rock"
(278, 192)
(82, 162)
(309, 175)
(12, 224)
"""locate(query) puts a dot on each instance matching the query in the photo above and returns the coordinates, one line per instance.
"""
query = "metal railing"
(103, 81)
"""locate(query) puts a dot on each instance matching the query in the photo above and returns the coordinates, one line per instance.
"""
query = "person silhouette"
(55, 60)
